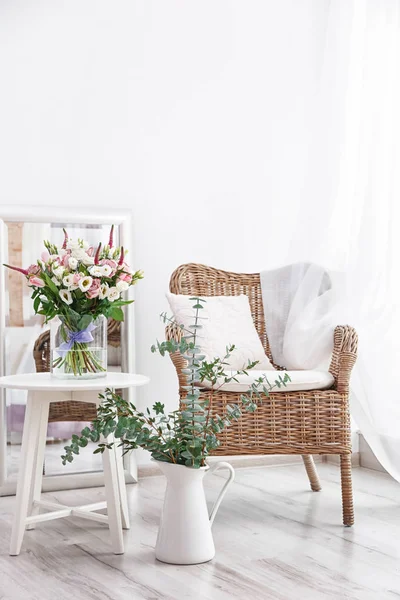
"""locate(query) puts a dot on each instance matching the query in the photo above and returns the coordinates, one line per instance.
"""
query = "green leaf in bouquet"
(63, 332)
(50, 284)
(117, 313)
(84, 322)
(36, 303)
(122, 302)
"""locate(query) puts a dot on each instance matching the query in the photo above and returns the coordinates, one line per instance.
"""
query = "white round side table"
(43, 389)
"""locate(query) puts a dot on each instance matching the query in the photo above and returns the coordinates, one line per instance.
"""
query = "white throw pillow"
(225, 320)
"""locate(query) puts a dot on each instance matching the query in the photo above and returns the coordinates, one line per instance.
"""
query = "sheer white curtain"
(351, 202)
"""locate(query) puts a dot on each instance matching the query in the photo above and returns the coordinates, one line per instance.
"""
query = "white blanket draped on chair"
(301, 309)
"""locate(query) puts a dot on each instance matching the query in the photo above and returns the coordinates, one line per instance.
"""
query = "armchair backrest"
(199, 280)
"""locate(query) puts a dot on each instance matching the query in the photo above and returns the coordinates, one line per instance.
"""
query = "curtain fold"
(351, 201)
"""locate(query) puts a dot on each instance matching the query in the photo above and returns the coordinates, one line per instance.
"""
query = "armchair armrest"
(344, 356)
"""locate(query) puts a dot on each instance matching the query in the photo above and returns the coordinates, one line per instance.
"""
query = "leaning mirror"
(25, 342)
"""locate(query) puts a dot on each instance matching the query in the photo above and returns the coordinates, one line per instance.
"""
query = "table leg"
(122, 486)
(36, 488)
(24, 485)
(113, 499)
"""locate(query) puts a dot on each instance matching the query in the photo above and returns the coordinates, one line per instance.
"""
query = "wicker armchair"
(302, 422)
(70, 411)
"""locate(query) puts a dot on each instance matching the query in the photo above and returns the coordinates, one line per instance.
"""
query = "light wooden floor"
(275, 540)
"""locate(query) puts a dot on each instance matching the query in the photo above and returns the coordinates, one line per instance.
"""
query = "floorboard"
(275, 540)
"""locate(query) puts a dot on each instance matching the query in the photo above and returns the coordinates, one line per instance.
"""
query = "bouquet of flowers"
(81, 285)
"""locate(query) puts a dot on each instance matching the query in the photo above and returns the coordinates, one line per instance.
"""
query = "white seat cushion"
(299, 381)
(225, 320)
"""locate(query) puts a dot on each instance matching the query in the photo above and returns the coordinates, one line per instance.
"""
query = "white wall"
(194, 114)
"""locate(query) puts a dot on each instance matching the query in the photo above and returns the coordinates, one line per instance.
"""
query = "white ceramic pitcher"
(184, 536)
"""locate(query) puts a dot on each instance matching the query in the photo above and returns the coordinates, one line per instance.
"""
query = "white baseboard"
(362, 458)
(368, 459)
(266, 460)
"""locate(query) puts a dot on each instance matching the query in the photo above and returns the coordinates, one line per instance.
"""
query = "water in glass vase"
(79, 351)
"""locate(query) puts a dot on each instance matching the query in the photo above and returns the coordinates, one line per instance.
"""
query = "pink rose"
(64, 260)
(110, 263)
(36, 281)
(34, 270)
(77, 278)
(126, 268)
(125, 277)
(94, 289)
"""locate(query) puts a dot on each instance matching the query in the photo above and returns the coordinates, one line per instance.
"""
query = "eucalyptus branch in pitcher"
(185, 436)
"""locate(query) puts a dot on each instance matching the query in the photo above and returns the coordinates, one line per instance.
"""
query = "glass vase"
(78, 352)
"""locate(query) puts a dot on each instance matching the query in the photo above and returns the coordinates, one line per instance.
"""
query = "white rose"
(68, 280)
(122, 286)
(58, 272)
(72, 245)
(106, 270)
(86, 259)
(85, 283)
(113, 294)
(66, 296)
(78, 252)
(96, 271)
(72, 263)
(103, 291)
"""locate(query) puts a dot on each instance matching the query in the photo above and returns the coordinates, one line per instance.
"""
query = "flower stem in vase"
(81, 353)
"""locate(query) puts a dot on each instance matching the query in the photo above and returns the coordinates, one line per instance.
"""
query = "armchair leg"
(311, 472)
(347, 490)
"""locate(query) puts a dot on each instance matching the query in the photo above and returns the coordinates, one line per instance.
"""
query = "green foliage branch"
(185, 436)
